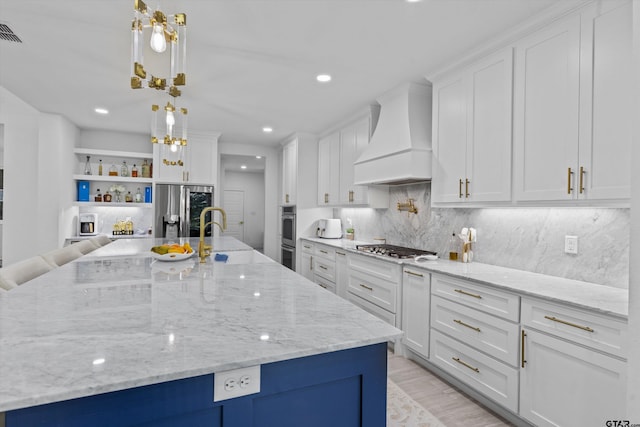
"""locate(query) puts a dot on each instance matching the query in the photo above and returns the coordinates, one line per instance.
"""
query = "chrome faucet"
(205, 250)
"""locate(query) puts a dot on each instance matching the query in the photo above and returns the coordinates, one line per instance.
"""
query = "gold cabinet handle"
(340, 253)
(310, 263)
(460, 322)
(473, 368)
(322, 267)
(324, 252)
(307, 247)
(322, 286)
(351, 196)
(460, 291)
(286, 198)
(366, 287)
(522, 359)
(466, 189)
(569, 188)
(581, 186)
(413, 274)
(564, 322)
(326, 197)
(460, 188)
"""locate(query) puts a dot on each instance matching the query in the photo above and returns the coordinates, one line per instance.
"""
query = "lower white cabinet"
(306, 266)
(342, 276)
(566, 378)
(416, 294)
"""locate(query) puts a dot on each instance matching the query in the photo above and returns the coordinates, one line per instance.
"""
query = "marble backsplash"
(530, 239)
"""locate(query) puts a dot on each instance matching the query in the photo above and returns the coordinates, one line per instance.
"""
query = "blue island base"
(345, 388)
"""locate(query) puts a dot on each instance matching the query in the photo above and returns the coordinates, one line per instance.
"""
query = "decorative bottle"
(145, 169)
(454, 247)
(128, 197)
(98, 197)
(134, 171)
(87, 166)
(100, 167)
(124, 169)
(113, 171)
(138, 196)
(107, 196)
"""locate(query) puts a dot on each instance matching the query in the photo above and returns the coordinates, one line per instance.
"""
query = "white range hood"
(400, 149)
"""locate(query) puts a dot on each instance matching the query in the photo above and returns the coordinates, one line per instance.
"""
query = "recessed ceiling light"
(414, 1)
(243, 166)
(323, 78)
(258, 157)
(267, 129)
(100, 110)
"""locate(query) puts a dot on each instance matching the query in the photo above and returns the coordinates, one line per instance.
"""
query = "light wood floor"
(447, 403)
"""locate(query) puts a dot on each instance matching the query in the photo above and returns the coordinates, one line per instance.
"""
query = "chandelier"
(160, 32)
(169, 125)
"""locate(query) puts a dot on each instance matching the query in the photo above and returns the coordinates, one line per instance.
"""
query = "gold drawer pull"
(366, 287)
(460, 291)
(324, 252)
(569, 173)
(522, 359)
(413, 274)
(564, 322)
(340, 253)
(473, 368)
(322, 286)
(322, 267)
(307, 247)
(326, 197)
(460, 322)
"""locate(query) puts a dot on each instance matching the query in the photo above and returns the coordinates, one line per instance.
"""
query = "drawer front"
(494, 336)
(325, 269)
(492, 301)
(326, 284)
(325, 252)
(375, 267)
(479, 371)
(384, 315)
(307, 247)
(589, 329)
(375, 290)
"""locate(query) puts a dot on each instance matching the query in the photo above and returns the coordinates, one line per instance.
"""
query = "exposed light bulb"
(174, 148)
(171, 120)
(158, 42)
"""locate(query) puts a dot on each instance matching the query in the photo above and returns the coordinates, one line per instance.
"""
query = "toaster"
(329, 229)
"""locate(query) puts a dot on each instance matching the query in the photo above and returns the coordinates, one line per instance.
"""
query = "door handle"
(466, 189)
(569, 173)
(522, 359)
(460, 188)
(581, 186)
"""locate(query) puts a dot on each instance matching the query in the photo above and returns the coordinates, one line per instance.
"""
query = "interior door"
(234, 207)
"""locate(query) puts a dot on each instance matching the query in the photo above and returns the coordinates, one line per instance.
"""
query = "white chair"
(58, 257)
(101, 240)
(85, 246)
(16, 274)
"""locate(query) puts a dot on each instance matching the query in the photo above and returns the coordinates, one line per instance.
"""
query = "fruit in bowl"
(172, 248)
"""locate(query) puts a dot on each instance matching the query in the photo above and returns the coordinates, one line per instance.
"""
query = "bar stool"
(16, 274)
(85, 246)
(58, 257)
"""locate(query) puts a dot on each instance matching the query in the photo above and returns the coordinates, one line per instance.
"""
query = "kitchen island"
(117, 338)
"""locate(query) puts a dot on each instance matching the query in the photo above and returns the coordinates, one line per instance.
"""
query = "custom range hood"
(400, 149)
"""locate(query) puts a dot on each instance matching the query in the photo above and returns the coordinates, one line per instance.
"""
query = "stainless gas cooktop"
(393, 251)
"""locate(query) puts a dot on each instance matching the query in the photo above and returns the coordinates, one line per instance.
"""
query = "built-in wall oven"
(288, 249)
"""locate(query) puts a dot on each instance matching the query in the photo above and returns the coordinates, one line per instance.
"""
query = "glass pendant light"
(158, 42)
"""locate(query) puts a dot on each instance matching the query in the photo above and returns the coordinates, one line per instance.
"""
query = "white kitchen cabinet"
(336, 154)
(329, 170)
(472, 132)
(306, 265)
(416, 290)
(572, 109)
(299, 159)
(342, 274)
(564, 384)
(194, 163)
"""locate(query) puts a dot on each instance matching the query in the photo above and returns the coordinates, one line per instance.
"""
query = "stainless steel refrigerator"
(178, 208)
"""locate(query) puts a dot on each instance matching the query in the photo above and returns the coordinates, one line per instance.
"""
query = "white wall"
(271, 239)
(633, 374)
(252, 184)
(115, 141)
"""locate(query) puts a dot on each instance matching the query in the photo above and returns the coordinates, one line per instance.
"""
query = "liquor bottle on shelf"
(124, 169)
(100, 167)
(134, 171)
(87, 166)
(107, 196)
(98, 197)
(145, 169)
(113, 171)
(138, 196)
(128, 197)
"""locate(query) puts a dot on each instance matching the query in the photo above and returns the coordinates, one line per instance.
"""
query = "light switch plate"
(236, 383)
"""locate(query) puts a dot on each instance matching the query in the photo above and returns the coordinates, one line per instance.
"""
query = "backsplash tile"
(530, 239)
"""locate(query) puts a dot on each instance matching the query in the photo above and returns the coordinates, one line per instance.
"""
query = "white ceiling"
(250, 63)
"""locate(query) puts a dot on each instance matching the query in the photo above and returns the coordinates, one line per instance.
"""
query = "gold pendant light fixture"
(157, 32)
(169, 125)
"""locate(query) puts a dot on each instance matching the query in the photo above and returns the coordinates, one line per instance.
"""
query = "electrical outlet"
(571, 244)
(236, 383)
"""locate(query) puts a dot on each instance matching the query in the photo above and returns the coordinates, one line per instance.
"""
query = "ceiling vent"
(7, 34)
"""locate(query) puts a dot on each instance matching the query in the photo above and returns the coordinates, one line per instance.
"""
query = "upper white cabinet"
(299, 170)
(196, 163)
(336, 154)
(472, 132)
(572, 109)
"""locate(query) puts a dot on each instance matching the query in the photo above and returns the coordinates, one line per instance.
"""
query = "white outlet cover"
(571, 244)
(236, 383)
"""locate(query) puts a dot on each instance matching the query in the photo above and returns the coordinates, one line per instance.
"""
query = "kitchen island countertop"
(116, 319)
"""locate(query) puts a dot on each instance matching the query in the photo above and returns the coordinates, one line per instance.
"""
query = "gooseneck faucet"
(205, 250)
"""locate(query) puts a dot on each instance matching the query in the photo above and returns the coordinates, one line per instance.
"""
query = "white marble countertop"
(116, 319)
(598, 298)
